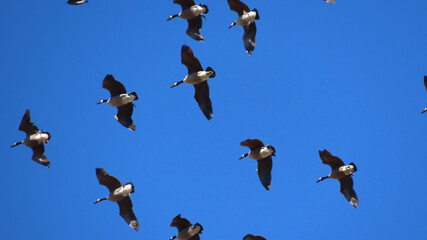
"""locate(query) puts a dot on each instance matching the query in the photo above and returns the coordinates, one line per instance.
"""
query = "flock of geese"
(197, 77)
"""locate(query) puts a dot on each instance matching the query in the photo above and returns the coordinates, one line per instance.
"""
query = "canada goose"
(252, 237)
(425, 84)
(261, 153)
(342, 173)
(193, 14)
(76, 2)
(247, 21)
(120, 99)
(330, 1)
(34, 139)
(198, 78)
(186, 230)
(118, 193)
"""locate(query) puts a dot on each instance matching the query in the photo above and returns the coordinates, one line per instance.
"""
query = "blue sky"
(346, 77)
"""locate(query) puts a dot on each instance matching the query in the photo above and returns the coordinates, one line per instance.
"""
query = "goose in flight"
(34, 139)
(118, 193)
(198, 78)
(425, 85)
(193, 14)
(186, 230)
(252, 237)
(261, 153)
(76, 2)
(120, 99)
(341, 172)
(246, 19)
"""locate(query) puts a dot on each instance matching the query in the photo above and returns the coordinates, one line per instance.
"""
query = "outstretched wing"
(346, 188)
(238, 6)
(124, 116)
(194, 26)
(329, 159)
(252, 143)
(180, 223)
(38, 155)
(249, 37)
(185, 3)
(27, 126)
(111, 84)
(425, 81)
(202, 97)
(126, 211)
(107, 180)
(189, 60)
(264, 171)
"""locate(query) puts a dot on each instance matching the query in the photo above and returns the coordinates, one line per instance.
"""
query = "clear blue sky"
(346, 77)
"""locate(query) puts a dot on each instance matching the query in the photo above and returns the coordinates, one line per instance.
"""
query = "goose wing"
(27, 126)
(264, 171)
(425, 81)
(238, 6)
(249, 37)
(202, 97)
(194, 26)
(346, 188)
(180, 223)
(107, 180)
(126, 211)
(252, 237)
(124, 116)
(329, 159)
(185, 3)
(38, 155)
(189, 60)
(195, 237)
(252, 144)
(111, 84)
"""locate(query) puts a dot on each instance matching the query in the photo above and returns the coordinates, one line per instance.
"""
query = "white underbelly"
(246, 19)
(120, 100)
(196, 77)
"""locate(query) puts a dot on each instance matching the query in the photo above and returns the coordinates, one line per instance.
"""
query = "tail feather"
(205, 6)
(134, 94)
(210, 69)
(257, 14)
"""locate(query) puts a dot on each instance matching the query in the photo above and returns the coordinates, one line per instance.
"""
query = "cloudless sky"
(346, 77)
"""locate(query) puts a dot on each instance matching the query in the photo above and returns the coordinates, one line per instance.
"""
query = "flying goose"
(120, 99)
(342, 173)
(76, 2)
(330, 1)
(186, 230)
(247, 21)
(425, 84)
(261, 153)
(118, 193)
(34, 139)
(252, 237)
(198, 78)
(193, 14)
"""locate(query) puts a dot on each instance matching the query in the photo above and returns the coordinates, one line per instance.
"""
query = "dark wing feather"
(38, 155)
(124, 116)
(249, 37)
(202, 97)
(180, 223)
(107, 180)
(27, 126)
(252, 144)
(126, 211)
(252, 237)
(238, 6)
(346, 188)
(189, 60)
(115, 87)
(264, 171)
(195, 237)
(425, 81)
(185, 3)
(332, 161)
(194, 26)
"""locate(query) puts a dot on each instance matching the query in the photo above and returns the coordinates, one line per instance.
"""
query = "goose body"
(246, 19)
(341, 172)
(263, 155)
(119, 193)
(186, 230)
(34, 139)
(120, 99)
(193, 14)
(197, 77)
(330, 1)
